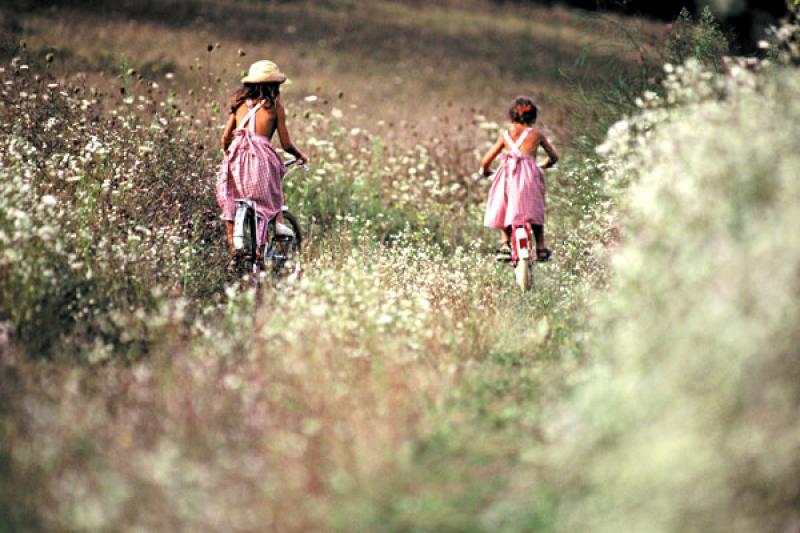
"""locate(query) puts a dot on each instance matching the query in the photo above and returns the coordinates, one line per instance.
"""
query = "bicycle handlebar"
(291, 162)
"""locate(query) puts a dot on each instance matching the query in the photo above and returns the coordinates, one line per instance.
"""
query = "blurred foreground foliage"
(686, 421)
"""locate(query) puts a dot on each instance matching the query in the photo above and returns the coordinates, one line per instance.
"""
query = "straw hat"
(264, 71)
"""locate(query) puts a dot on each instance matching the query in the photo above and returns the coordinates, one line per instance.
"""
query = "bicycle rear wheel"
(247, 259)
(524, 274)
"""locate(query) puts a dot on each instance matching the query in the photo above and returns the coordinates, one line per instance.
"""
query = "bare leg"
(538, 233)
(279, 217)
(543, 253)
(506, 232)
(229, 235)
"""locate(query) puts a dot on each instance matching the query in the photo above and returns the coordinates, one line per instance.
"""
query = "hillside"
(396, 61)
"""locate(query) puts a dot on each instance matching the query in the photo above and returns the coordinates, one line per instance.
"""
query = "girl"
(517, 195)
(251, 167)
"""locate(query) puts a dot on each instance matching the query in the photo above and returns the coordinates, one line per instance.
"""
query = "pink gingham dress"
(251, 169)
(518, 191)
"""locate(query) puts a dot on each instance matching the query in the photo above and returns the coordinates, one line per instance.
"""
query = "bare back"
(266, 120)
(521, 140)
(531, 143)
(262, 122)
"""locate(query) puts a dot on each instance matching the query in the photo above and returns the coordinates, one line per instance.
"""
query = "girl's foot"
(504, 252)
(543, 255)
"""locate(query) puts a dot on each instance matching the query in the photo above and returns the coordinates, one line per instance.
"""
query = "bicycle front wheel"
(284, 252)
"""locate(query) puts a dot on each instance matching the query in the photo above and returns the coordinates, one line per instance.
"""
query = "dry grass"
(395, 61)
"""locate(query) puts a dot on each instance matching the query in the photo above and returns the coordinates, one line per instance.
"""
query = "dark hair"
(269, 92)
(523, 111)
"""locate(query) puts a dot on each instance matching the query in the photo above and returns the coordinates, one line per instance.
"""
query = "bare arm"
(228, 135)
(283, 134)
(552, 155)
(490, 156)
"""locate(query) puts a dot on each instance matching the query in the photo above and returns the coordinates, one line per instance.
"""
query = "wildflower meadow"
(402, 382)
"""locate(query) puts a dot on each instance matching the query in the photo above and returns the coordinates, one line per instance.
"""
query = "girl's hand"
(486, 171)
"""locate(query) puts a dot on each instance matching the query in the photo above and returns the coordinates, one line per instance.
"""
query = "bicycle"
(278, 255)
(521, 256)
(523, 253)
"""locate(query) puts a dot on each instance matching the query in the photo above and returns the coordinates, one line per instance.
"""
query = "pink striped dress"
(251, 169)
(518, 191)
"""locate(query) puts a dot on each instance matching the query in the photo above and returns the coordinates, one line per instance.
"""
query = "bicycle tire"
(247, 259)
(295, 225)
(523, 272)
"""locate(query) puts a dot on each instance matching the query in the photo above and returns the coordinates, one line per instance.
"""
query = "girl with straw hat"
(251, 167)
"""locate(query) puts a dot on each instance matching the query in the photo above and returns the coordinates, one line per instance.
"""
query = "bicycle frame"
(258, 225)
(520, 243)
(521, 251)
(245, 207)
(256, 250)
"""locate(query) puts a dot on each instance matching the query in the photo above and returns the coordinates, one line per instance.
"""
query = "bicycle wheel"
(284, 252)
(247, 258)
(524, 274)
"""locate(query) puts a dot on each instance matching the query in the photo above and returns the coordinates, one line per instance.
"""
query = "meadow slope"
(410, 65)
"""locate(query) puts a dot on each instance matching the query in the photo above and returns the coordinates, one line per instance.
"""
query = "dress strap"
(522, 138)
(514, 146)
(509, 142)
(250, 115)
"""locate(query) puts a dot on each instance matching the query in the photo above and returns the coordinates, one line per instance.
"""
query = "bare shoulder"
(541, 138)
(537, 134)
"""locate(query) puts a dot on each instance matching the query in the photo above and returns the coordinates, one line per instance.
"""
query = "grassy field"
(403, 383)
(407, 64)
